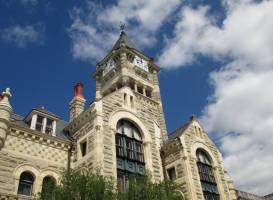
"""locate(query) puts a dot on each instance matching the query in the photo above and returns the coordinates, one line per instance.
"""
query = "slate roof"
(60, 125)
(178, 132)
(43, 110)
(124, 39)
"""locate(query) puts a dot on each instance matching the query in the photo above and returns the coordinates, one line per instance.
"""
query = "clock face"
(141, 63)
(108, 67)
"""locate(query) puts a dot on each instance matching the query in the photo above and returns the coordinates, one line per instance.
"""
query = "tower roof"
(123, 41)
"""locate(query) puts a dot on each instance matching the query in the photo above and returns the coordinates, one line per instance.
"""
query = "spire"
(123, 40)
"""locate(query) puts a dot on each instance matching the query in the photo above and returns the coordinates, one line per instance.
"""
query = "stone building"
(248, 196)
(122, 132)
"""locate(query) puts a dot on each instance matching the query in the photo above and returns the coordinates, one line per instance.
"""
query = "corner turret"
(5, 113)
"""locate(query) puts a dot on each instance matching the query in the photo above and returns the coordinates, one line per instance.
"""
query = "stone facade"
(248, 196)
(179, 152)
(127, 88)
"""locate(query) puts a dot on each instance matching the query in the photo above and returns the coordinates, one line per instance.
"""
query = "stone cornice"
(40, 138)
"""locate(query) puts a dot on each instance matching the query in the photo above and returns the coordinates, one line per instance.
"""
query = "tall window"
(26, 184)
(48, 186)
(208, 182)
(129, 153)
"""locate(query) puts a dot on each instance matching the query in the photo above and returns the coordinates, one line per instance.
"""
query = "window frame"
(26, 183)
(207, 176)
(171, 171)
(81, 153)
(129, 151)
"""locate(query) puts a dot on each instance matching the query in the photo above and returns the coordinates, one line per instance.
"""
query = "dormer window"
(48, 128)
(42, 121)
(39, 124)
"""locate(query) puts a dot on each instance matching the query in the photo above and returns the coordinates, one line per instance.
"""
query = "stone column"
(135, 85)
(144, 90)
(44, 125)
(5, 113)
(54, 123)
(33, 122)
(98, 88)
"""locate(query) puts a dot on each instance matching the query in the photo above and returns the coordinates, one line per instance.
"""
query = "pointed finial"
(6, 93)
(192, 118)
(121, 26)
(4, 102)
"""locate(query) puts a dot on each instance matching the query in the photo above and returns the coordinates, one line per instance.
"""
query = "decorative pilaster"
(44, 125)
(78, 102)
(33, 121)
(144, 90)
(54, 123)
(5, 113)
(98, 88)
(135, 86)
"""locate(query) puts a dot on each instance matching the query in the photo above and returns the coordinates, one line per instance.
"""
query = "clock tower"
(122, 130)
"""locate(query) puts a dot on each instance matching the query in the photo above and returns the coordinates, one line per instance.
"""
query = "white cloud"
(240, 110)
(95, 28)
(23, 35)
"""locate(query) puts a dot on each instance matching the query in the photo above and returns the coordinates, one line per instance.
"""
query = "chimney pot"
(78, 89)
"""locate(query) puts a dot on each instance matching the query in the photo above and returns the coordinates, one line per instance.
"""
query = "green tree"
(90, 185)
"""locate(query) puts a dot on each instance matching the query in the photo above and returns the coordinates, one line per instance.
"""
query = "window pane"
(25, 184)
(208, 182)
(129, 152)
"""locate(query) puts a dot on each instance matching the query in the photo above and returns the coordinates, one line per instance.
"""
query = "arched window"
(26, 184)
(129, 153)
(208, 182)
(48, 186)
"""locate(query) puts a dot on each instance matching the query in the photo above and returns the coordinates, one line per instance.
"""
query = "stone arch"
(51, 173)
(215, 165)
(200, 145)
(125, 114)
(146, 138)
(27, 168)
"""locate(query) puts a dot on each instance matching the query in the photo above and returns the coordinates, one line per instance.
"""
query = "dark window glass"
(139, 152)
(171, 173)
(83, 147)
(39, 123)
(130, 148)
(119, 145)
(26, 184)
(208, 182)
(129, 151)
(49, 126)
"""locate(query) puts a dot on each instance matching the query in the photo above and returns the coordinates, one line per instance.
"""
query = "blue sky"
(216, 59)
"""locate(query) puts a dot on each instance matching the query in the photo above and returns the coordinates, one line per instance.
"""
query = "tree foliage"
(90, 185)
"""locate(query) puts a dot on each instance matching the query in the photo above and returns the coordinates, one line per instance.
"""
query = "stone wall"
(40, 154)
(181, 154)
(192, 139)
(144, 113)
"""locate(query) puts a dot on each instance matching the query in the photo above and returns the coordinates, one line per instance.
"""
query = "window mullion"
(124, 146)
